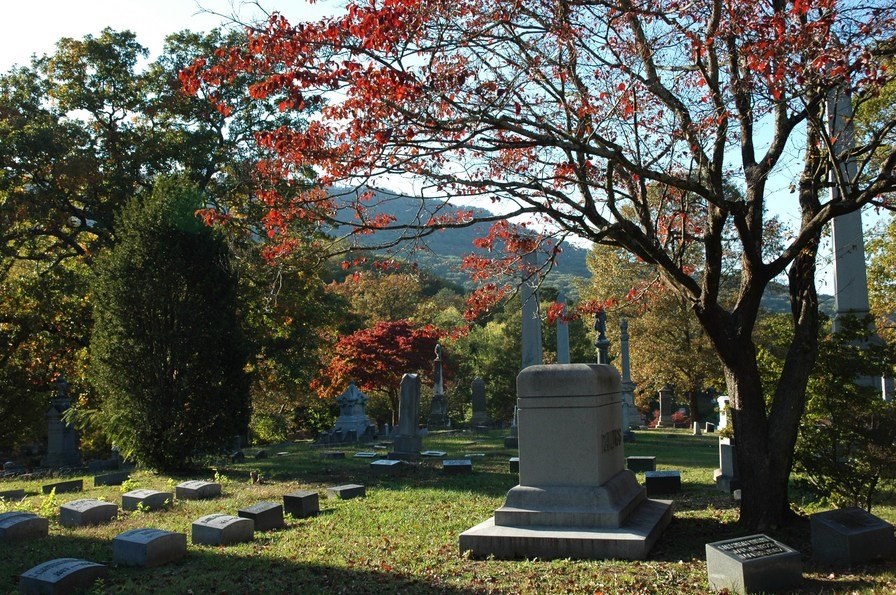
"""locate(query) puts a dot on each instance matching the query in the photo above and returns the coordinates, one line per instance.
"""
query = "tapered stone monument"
(666, 403)
(575, 499)
(480, 415)
(408, 442)
(438, 410)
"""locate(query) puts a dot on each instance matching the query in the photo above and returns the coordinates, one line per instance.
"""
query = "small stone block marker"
(265, 515)
(63, 575)
(197, 490)
(80, 513)
(333, 455)
(347, 491)
(452, 466)
(150, 499)
(366, 455)
(222, 529)
(12, 494)
(19, 525)
(61, 487)
(662, 482)
(148, 547)
(752, 564)
(302, 504)
(850, 536)
(387, 467)
(111, 479)
(514, 464)
(637, 464)
(433, 453)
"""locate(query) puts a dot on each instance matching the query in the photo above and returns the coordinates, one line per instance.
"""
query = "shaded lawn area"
(403, 536)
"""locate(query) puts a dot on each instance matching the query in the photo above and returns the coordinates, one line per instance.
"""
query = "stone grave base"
(632, 541)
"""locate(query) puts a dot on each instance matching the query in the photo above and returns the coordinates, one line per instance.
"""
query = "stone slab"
(452, 466)
(302, 504)
(333, 455)
(662, 482)
(63, 575)
(514, 464)
(111, 479)
(10, 495)
(474, 455)
(222, 529)
(148, 547)
(632, 541)
(437, 454)
(388, 467)
(638, 464)
(752, 564)
(20, 525)
(265, 515)
(347, 491)
(85, 512)
(850, 536)
(61, 487)
(150, 499)
(197, 490)
(366, 455)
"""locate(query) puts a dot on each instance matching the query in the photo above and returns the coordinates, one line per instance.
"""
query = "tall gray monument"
(438, 410)
(666, 401)
(562, 333)
(531, 316)
(62, 439)
(407, 435)
(630, 415)
(480, 415)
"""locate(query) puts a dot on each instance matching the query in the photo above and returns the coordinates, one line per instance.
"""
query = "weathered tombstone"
(662, 482)
(347, 491)
(630, 416)
(562, 332)
(19, 525)
(265, 515)
(697, 430)
(667, 398)
(387, 467)
(80, 513)
(197, 490)
(146, 499)
(850, 536)
(63, 575)
(726, 474)
(148, 547)
(352, 417)
(753, 564)
(62, 439)
(640, 464)
(10, 495)
(407, 439)
(438, 409)
(456, 466)
(111, 479)
(222, 529)
(514, 464)
(575, 499)
(302, 504)
(61, 487)
(480, 415)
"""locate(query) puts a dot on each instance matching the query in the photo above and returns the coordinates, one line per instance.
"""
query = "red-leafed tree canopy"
(621, 122)
(376, 358)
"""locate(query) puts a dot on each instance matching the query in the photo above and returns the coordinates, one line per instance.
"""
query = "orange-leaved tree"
(575, 113)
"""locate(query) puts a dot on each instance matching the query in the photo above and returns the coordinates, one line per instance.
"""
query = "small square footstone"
(148, 547)
(637, 464)
(61, 487)
(366, 455)
(265, 515)
(10, 495)
(387, 467)
(333, 455)
(63, 575)
(81, 513)
(302, 504)
(437, 454)
(457, 466)
(850, 536)
(662, 482)
(197, 490)
(753, 564)
(222, 529)
(111, 479)
(514, 464)
(149, 499)
(347, 491)
(19, 525)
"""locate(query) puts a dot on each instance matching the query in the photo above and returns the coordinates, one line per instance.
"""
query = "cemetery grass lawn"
(403, 535)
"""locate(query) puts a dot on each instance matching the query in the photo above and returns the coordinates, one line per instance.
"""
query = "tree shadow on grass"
(212, 570)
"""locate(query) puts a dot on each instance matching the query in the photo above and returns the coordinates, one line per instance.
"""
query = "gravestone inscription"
(752, 564)
(222, 529)
(63, 575)
(197, 490)
(88, 511)
(850, 536)
(146, 499)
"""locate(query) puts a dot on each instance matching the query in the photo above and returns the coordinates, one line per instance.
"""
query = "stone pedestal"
(575, 498)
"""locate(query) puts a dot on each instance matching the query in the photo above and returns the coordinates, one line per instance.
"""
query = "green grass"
(403, 536)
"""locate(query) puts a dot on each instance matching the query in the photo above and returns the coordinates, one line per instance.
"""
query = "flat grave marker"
(452, 466)
(347, 491)
(433, 453)
(85, 512)
(20, 525)
(265, 515)
(61, 487)
(302, 504)
(148, 547)
(10, 495)
(850, 536)
(474, 455)
(638, 464)
(365, 455)
(63, 575)
(333, 454)
(197, 489)
(149, 499)
(752, 564)
(387, 467)
(222, 529)
(111, 479)
(662, 482)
